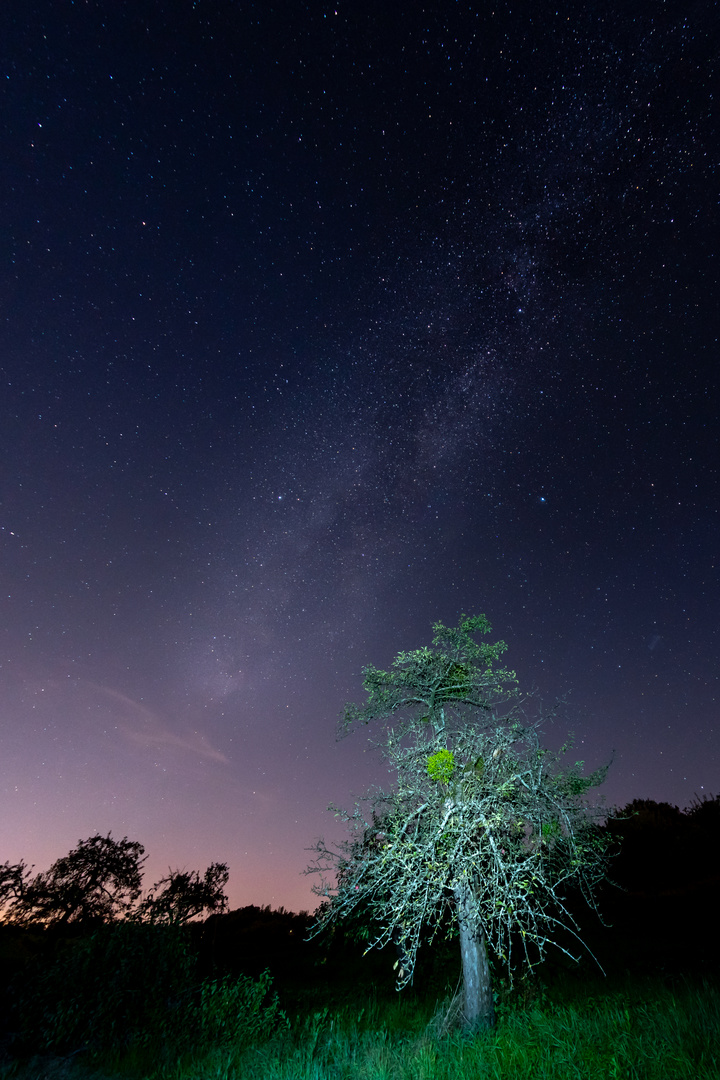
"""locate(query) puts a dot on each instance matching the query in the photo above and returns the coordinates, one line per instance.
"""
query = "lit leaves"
(434, 684)
(441, 766)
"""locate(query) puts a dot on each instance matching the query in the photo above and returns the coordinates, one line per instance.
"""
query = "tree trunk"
(478, 1008)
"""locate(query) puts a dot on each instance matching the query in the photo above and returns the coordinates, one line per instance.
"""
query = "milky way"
(319, 324)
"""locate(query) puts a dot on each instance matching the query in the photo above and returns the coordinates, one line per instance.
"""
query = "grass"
(632, 1029)
(662, 1034)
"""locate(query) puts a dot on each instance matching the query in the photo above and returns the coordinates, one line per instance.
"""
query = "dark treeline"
(660, 900)
(175, 968)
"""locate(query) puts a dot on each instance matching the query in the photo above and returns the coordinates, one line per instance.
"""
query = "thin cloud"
(142, 726)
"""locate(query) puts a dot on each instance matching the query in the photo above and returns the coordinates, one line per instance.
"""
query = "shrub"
(122, 985)
(129, 986)
(237, 1011)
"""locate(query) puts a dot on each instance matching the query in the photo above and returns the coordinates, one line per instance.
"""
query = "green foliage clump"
(237, 1011)
(441, 766)
(550, 830)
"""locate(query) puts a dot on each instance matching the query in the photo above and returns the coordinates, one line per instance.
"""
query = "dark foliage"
(100, 881)
(118, 986)
(183, 895)
(250, 939)
(13, 883)
(97, 881)
(661, 905)
(132, 985)
(661, 849)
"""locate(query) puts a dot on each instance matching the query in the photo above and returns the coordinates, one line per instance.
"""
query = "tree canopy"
(484, 829)
(183, 894)
(100, 881)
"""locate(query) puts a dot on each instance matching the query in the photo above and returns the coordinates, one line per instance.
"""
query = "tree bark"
(478, 1007)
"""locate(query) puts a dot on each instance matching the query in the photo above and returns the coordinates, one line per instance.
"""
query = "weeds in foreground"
(638, 1030)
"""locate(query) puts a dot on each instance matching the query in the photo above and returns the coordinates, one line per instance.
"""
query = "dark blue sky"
(319, 323)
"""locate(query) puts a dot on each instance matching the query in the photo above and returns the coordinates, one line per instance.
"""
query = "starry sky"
(321, 322)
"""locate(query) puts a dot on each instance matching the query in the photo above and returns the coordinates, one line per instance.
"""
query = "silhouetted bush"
(660, 909)
(115, 987)
(130, 985)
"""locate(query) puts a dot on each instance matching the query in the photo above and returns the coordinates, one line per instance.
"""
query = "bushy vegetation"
(118, 986)
(130, 986)
(641, 1030)
(644, 1028)
(234, 1012)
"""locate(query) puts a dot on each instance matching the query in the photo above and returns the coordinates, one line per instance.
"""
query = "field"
(249, 996)
(639, 1030)
(649, 1028)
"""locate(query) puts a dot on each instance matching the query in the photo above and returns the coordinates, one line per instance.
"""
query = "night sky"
(319, 323)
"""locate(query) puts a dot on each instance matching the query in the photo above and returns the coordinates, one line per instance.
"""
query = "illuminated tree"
(484, 829)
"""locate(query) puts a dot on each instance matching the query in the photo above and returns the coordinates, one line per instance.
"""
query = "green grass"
(634, 1029)
(647, 1032)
